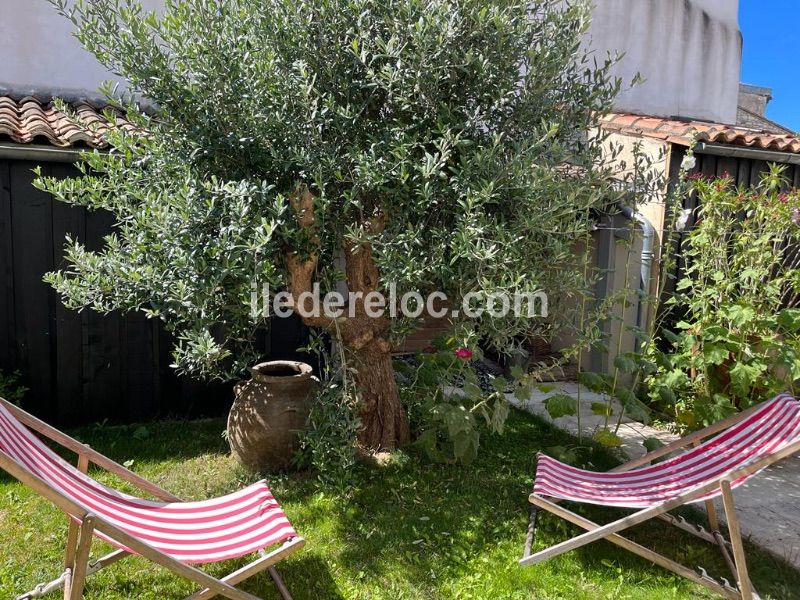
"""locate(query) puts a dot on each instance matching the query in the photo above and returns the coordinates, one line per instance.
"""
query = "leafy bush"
(448, 403)
(738, 342)
(328, 443)
(10, 387)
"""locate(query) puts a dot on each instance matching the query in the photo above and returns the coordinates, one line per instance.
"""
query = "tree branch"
(301, 272)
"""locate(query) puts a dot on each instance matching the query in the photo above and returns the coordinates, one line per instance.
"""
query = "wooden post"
(279, 585)
(82, 558)
(72, 536)
(736, 540)
(711, 510)
(265, 561)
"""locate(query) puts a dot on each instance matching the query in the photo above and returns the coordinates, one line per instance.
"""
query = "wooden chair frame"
(84, 524)
(610, 532)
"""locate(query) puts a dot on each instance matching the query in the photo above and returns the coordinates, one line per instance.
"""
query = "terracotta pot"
(269, 411)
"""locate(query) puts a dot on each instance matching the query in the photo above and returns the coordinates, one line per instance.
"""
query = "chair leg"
(646, 553)
(736, 541)
(279, 585)
(67, 584)
(72, 544)
(713, 520)
(266, 560)
(531, 535)
(72, 536)
(78, 578)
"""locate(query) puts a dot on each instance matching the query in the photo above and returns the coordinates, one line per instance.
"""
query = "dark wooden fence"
(82, 366)
(746, 172)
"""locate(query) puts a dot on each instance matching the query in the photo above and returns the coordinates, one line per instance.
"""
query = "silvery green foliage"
(452, 117)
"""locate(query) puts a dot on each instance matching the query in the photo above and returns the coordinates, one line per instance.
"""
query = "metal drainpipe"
(646, 269)
(41, 152)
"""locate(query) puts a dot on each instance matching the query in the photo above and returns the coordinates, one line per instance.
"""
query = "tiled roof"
(30, 120)
(751, 120)
(684, 133)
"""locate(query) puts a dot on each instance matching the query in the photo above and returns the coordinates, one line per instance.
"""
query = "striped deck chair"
(171, 533)
(742, 445)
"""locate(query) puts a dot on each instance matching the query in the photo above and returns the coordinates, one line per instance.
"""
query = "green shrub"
(10, 387)
(329, 442)
(738, 342)
(449, 405)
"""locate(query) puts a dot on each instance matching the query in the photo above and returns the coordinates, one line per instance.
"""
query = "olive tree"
(421, 143)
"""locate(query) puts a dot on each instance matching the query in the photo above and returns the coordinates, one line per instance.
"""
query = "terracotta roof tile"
(684, 133)
(31, 120)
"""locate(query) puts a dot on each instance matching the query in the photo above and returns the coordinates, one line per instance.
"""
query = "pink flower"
(463, 353)
(796, 216)
(784, 198)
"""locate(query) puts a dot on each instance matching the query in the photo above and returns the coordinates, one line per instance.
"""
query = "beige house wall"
(41, 54)
(624, 260)
(688, 53)
(621, 155)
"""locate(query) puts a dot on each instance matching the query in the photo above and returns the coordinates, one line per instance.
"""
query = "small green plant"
(738, 341)
(329, 442)
(10, 387)
(448, 406)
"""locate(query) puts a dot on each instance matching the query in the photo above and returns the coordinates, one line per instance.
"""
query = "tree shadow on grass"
(426, 524)
(305, 575)
(158, 441)
(415, 519)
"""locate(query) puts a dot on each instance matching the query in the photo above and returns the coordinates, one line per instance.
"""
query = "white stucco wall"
(39, 53)
(688, 51)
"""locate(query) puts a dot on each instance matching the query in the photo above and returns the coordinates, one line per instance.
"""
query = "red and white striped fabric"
(775, 425)
(192, 532)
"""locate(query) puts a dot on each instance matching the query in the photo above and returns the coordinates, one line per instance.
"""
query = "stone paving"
(769, 504)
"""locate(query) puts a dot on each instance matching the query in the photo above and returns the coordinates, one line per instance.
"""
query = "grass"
(409, 530)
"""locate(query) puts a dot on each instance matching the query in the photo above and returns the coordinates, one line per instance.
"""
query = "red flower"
(784, 198)
(463, 353)
(429, 349)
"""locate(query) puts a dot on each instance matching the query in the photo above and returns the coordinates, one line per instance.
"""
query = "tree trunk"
(384, 422)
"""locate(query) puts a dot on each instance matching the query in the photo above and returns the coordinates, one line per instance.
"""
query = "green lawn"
(407, 530)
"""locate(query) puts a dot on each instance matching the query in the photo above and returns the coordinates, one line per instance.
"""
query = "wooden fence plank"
(32, 237)
(69, 323)
(7, 325)
(84, 367)
(102, 355)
